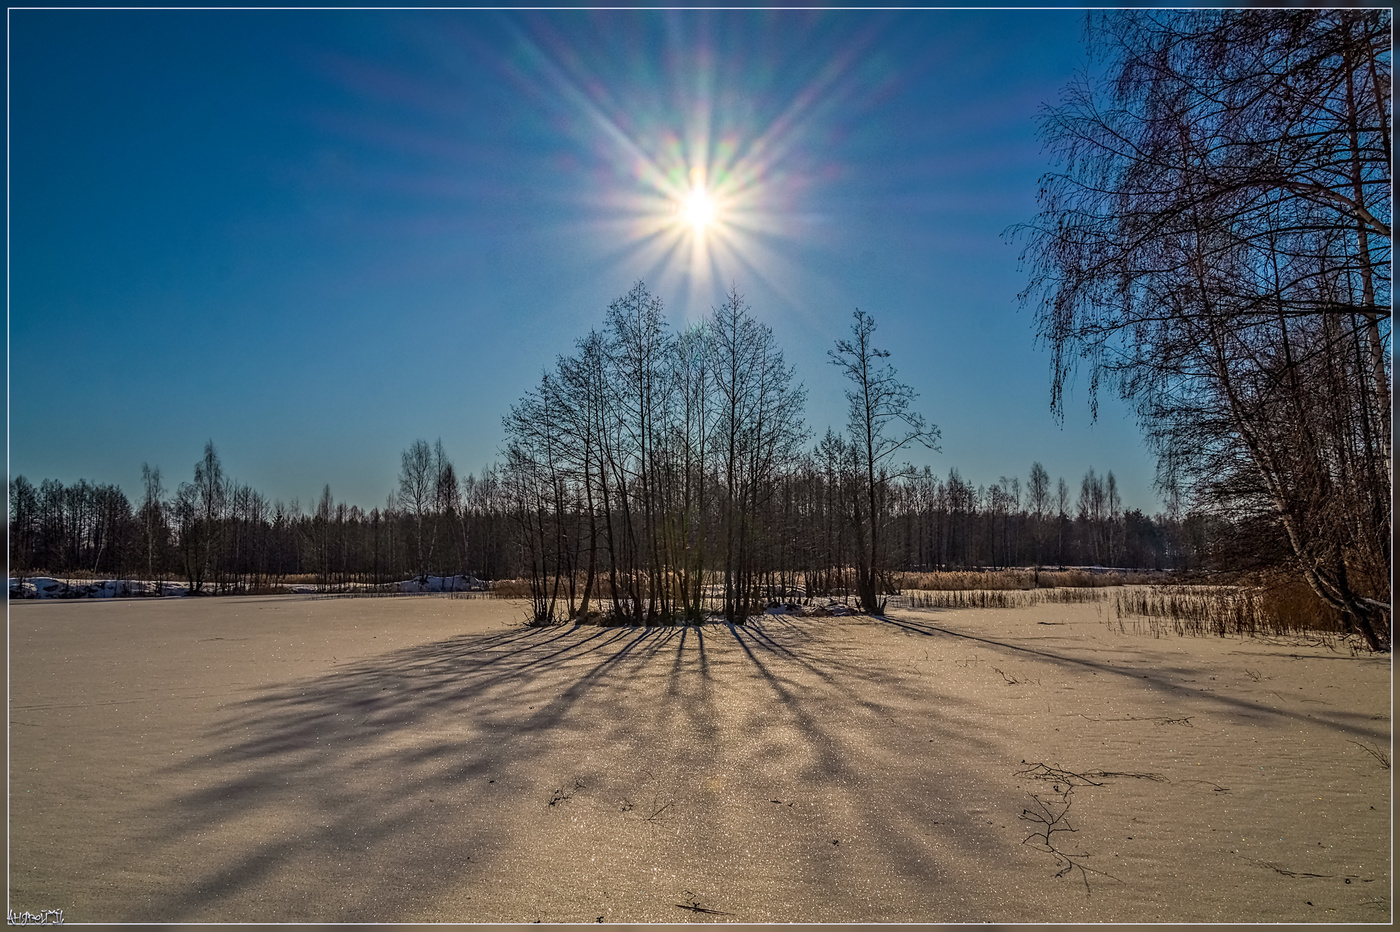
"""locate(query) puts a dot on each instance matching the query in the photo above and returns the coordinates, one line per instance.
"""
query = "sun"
(698, 208)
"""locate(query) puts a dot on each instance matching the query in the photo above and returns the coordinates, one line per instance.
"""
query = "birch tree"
(1215, 246)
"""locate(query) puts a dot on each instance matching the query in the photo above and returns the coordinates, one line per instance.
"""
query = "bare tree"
(582, 403)
(880, 423)
(153, 520)
(211, 494)
(537, 488)
(1092, 507)
(639, 349)
(24, 525)
(445, 505)
(1038, 501)
(758, 426)
(416, 489)
(1217, 246)
(693, 427)
(1061, 516)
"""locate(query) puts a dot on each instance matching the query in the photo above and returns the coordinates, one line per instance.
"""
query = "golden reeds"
(1008, 579)
(999, 598)
(1273, 608)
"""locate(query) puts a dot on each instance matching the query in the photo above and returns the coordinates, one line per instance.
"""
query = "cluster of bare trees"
(656, 475)
(641, 469)
(439, 508)
(1216, 245)
(81, 525)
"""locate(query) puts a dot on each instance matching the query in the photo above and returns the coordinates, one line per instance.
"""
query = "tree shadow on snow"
(371, 791)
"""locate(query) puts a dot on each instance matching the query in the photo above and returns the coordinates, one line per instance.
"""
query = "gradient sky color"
(315, 236)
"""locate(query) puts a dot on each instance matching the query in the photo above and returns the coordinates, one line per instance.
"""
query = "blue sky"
(316, 236)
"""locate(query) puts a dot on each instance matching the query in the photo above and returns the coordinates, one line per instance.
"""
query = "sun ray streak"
(575, 96)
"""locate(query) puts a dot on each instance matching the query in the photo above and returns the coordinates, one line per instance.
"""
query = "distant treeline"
(223, 536)
(653, 476)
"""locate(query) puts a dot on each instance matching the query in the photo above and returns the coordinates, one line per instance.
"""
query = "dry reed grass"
(509, 589)
(300, 579)
(1000, 598)
(1268, 608)
(1011, 579)
(966, 580)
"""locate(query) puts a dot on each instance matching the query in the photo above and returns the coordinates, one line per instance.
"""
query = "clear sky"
(316, 236)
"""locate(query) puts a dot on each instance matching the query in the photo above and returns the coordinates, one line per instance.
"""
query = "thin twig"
(653, 816)
(1105, 774)
(1040, 771)
(1283, 870)
(1378, 754)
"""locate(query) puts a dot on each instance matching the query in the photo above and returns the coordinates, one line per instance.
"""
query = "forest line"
(939, 522)
(708, 487)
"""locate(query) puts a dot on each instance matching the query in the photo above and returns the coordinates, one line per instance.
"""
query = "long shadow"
(1155, 680)
(397, 781)
(429, 718)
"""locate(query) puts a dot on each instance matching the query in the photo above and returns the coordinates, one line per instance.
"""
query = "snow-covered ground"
(49, 587)
(443, 584)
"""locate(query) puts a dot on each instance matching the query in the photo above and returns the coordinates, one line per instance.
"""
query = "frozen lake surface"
(431, 759)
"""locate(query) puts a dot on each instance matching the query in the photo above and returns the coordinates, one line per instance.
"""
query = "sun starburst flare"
(699, 184)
